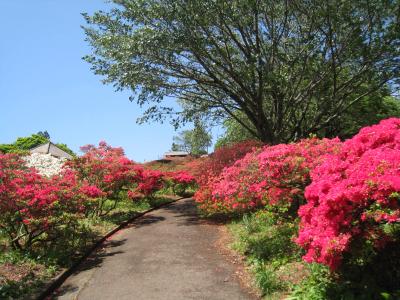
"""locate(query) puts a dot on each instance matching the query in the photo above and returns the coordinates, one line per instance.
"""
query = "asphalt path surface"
(166, 254)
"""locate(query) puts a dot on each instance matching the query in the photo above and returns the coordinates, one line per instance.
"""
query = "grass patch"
(266, 239)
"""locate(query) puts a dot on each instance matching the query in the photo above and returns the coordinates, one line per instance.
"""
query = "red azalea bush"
(32, 207)
(109, 169)
(273, 175)
(207, 171)
(353, 202)
(149, 183)
(180, 181)
(221, 158)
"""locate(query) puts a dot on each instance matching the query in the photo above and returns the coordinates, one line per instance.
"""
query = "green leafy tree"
(24, 144)
(195, 141)
(234, 132)
(291, 67)
(368, 111)
(65, 148)
(175, 147)
(44, 134)
(29, 142)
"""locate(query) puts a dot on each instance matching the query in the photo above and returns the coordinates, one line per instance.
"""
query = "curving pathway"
(167, 254)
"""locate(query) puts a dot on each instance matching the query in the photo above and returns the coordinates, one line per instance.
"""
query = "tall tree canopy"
(291, 67)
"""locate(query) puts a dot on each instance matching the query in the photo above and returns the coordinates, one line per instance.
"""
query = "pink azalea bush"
(34, 208)
(273, 175)
(354, 197)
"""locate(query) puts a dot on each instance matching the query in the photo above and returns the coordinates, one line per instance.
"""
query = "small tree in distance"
(195, 141)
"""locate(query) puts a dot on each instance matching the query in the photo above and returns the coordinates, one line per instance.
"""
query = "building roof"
(50, 148)
(176, 153)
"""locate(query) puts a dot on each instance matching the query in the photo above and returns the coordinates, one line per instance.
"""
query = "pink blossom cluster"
(109, 169)
(106, 167)
(208, 171)
(273, 175)
(181, 177)
(354, 193)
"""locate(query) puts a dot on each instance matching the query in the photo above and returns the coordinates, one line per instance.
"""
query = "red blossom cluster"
(354, 196)
(222, 157)
(150, 182)
(208, 170)
(106, 167)
(180, 181)
(33, 206)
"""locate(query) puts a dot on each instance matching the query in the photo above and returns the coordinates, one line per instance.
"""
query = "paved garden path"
(167, 254)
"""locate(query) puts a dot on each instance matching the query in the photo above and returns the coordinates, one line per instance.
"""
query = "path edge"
(59, 279)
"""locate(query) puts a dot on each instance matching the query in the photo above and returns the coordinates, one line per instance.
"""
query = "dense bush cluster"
(272, 175)
(354, 198)
(345, 196)
(208, 170)
(33, 207)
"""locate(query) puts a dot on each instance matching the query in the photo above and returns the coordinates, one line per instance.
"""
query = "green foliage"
(195, 141)
(24, 144)
(369, 110)
(315, 286)
(292, 67)
(27, 143)
(175, 147)
(234, 132)
(8, 148)
(44, 134)
(65, 148)
(266, 239)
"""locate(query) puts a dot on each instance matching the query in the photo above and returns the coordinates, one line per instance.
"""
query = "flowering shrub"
(354, 197)
(222, 157)
(110, 170)
(32, 207)
(150, 182)
(208, 170)
(273, 175)
(180, 181)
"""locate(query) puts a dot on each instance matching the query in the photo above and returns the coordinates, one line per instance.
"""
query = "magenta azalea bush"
(354, 196)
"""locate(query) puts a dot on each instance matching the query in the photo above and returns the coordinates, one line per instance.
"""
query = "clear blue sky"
(45, 85)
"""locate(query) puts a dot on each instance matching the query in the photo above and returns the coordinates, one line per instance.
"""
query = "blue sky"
(45, 85)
